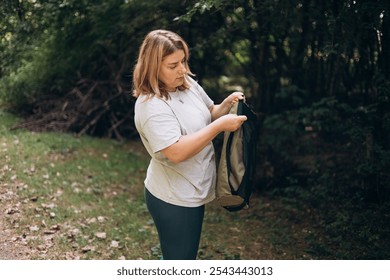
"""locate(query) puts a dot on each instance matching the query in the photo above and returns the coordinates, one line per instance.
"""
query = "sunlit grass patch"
(80, 197)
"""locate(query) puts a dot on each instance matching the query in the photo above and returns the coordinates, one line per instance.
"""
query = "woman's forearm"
(219, 110)
(189, 145)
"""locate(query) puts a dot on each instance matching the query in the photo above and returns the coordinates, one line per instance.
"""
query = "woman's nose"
(182, 70)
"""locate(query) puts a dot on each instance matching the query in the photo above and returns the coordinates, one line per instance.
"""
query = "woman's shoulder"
(194, 86)
(191, 81)
(150, 103)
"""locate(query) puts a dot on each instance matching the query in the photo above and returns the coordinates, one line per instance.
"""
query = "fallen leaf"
(55, 227)
(73, 233)
(11, 211)
(71, 256)
(101, 235)
(48, 206)
(91, 221)
(41, 248)
(34, 228)
(88, 248)
(59, 192)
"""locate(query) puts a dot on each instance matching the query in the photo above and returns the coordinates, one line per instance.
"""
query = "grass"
(82, 198)
(79, 187)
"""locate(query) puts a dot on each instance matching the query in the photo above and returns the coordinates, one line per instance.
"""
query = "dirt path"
(12, 246)
(10, 249)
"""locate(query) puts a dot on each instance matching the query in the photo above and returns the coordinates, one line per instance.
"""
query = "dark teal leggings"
(179, 228)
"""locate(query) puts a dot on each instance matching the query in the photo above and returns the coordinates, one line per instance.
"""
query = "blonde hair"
(156, 46)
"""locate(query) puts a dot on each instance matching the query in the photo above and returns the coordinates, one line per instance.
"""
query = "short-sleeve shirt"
(161, 123)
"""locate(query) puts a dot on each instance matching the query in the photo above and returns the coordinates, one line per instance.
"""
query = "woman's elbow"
(174, 157)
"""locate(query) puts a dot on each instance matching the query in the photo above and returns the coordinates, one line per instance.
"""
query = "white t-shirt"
(161, 123)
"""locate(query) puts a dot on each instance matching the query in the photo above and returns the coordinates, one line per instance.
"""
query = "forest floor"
(252, 234)
(65, 197)
(11, 246)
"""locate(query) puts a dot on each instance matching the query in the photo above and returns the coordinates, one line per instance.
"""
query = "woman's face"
(172, 70)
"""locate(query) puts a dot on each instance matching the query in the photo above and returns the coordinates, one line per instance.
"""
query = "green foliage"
(336, 158)
(75, 41)
(33, 76)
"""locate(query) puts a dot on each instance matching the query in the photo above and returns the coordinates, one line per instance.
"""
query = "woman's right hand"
(230, 122)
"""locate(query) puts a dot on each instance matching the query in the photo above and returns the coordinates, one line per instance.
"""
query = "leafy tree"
(74, 66)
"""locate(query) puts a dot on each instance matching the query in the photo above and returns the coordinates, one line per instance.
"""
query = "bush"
(336, 158)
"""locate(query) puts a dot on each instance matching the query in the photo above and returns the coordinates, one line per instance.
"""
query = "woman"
(177, 122)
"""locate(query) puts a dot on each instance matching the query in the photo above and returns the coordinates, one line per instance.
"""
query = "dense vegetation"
(316, 72)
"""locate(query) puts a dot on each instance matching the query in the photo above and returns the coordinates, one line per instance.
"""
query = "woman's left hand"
(234, 97)
(224, 108)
